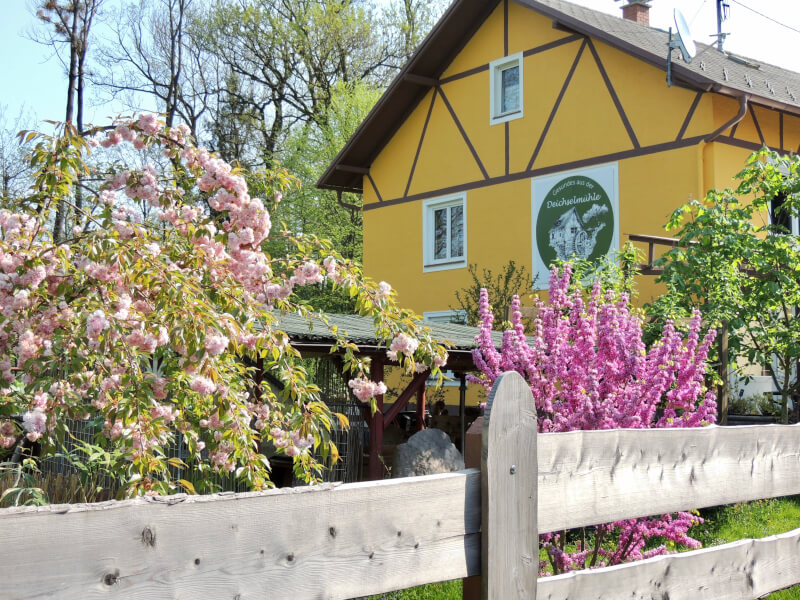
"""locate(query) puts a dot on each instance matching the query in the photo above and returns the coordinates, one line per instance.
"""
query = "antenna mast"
(723, 12)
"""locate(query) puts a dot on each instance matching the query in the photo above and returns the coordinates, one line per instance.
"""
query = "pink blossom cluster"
(221, 457)
(164, 411)
(213, 422)
(332, 270)
(260, 412)
(307, 273)
(630, 542)
(144, 437)
(216, 344)
(8, 434)
(144, 185)
(588, 368)
(384, 290)
(35, 423)
(403, 344)
(293, 443)
(202, 385)
(115, 430)
(248, 221)
(147, 341)
(147, 124)
(364, 389)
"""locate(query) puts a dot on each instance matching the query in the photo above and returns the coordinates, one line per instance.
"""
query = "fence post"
(509, 474)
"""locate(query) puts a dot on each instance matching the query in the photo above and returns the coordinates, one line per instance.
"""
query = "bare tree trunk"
(72, 81)
(175, 58)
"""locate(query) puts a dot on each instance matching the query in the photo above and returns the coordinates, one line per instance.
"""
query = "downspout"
(723, 391)
(711, 137)
(739, 116)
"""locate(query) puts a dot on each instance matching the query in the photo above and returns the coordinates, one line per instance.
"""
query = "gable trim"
(557, 105)
(689, 115)
(585, 162)
(463, 133)
(758, 126)
(732, 141)
(614, 97)
(374, 187)
(525, 54)
(505, 27)
(421, 139)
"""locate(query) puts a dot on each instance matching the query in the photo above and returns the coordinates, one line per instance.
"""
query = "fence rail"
(342, 541)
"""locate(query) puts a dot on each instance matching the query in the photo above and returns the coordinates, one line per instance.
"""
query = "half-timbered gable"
(513, 113)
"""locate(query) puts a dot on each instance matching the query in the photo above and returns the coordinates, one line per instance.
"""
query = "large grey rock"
(427, 452)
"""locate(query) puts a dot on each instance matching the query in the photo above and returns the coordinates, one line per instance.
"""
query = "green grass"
(449, 590)
(723, 524)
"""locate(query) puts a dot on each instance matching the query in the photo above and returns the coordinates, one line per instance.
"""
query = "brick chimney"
(637, 11)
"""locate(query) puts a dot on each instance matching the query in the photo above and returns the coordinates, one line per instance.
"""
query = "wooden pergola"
(313, 338)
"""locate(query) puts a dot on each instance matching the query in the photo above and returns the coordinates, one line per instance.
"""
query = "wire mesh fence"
(350, 441)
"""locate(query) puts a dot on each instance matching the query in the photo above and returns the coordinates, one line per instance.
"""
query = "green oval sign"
(576, 220)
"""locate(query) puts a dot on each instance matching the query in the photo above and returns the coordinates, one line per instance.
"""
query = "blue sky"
(34, 78)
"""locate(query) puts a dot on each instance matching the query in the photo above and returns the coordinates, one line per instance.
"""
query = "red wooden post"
(421, 407)
(473, 440)
(375, 470)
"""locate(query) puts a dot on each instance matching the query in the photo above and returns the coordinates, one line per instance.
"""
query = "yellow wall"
(656, 174)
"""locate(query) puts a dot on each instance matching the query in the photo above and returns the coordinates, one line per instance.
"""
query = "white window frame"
(435, 316)
(429, 207)
(496, 68)
(795, 225)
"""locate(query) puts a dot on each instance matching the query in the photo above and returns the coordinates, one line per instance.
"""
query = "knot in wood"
(513, 469)
(148, 537)
(111, 578)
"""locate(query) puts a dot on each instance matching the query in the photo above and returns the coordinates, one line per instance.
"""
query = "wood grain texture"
(592, 477)
(740, 570)
(330, 542)
(349, 540)
(510, 543)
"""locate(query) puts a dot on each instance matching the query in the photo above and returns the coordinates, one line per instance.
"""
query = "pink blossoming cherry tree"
(588, 368)
(150, 327)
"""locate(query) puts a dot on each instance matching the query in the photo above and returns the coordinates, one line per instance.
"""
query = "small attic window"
(506, 89)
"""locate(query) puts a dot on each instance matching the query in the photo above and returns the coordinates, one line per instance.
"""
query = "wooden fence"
(341, 541)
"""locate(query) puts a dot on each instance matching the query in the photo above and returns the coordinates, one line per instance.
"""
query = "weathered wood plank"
(740, 570)
(510, 556)
(591, 477)
(334, 542)
(339, 542)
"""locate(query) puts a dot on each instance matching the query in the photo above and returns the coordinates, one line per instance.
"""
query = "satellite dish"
(685, 40)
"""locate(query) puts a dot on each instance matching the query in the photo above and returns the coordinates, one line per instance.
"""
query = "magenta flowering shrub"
(150, 327)
(588, 368)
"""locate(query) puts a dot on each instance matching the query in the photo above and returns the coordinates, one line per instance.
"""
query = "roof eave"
(474, 12)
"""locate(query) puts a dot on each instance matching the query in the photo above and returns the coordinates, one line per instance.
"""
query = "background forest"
(260, 82)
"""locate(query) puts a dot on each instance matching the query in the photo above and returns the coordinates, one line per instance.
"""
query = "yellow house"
(536, 129)
(530, 129)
